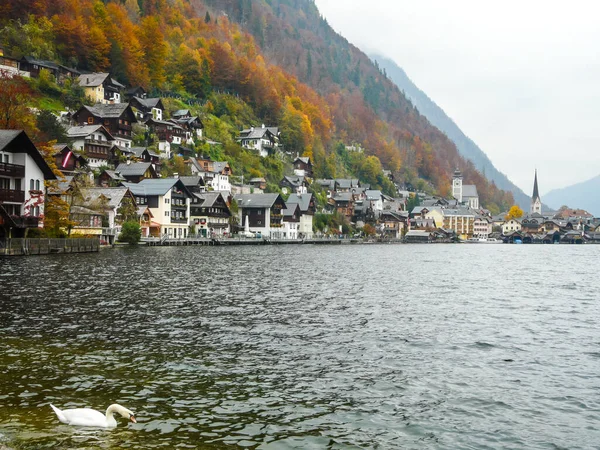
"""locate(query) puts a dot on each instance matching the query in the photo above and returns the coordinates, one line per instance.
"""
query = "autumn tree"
(514, 213)
(15, 95)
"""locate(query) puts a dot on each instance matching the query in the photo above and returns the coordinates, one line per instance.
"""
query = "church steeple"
(536, 201)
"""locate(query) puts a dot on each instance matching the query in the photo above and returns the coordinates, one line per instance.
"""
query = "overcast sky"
(520, 78)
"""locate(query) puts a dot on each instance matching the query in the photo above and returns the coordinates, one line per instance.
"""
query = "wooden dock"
(39, 246)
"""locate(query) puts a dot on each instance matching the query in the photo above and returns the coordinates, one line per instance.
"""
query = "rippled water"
(308, 347)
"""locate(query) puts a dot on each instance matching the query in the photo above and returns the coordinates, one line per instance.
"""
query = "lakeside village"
(107, 181)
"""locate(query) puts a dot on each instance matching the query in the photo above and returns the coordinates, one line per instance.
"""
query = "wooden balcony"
(12, 170)
(11, 195)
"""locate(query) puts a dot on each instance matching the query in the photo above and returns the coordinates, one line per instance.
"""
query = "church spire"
(536, 201)
(536, 193)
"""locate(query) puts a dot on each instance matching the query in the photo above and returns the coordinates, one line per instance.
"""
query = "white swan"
(88, 417)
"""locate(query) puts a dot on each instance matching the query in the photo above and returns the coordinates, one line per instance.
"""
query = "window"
(37, 185)
(31, 185)
(90, 120)
(5, 158)
(167, 214)
(166, 200)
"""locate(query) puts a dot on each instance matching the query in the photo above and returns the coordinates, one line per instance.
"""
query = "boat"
(475, 240)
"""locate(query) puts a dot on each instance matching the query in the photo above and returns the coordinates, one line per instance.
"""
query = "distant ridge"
(440, 119)
(582, 195)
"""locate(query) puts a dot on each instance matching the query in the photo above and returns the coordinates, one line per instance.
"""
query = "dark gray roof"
(114, 110)
(133, 169)
(209, 198)
(86, 130)
(114, 195)
(92, 79)
(303, 200)
(137, 151)
(115, 176)
(152, 186)
(373, 195)
(6, 137)
(290, 209)
(180, 112)
(148, 102)
(294, 180)
(256, 200)
(192, 181)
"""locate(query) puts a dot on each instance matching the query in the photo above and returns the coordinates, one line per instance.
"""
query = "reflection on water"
(304, 347)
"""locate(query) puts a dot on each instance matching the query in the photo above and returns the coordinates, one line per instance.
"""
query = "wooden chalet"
(68, 161)
(147, 108)
(117, 118)
(303, 167)
(96, 143)
(210, 214)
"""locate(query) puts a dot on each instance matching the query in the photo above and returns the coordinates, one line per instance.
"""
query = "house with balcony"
(95, 142)
(261, 213)
(68, 161)
(109, 202)
(23, 171)
(33, 67)
(117, 118)
(192, 125)
(294, 184)
(303, 167)
(215, 174)
(169, 202)
(147, 108)
(168, 134)
(264, 140)
(209, 214)
(393, 223)
(291, 221)
(307, 205)
(101, 87)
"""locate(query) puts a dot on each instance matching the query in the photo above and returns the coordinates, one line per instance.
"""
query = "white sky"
(520, 78)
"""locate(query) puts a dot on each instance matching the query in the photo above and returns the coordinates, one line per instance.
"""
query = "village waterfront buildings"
(108, 178)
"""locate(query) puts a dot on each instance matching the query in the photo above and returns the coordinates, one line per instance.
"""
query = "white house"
(511, 225)
(261, 213)
(262, 139)
(306, 203)
(169, 202)
(94, 141)
(23, 171)
(215, 174)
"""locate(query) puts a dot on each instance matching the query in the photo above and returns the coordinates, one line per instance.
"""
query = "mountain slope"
(440, 119)
(241, 62)
(582, 195)
(366, 106)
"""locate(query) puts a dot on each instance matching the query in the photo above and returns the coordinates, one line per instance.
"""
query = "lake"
(305, 347)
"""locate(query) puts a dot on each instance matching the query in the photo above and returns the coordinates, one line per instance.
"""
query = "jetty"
(44, 246)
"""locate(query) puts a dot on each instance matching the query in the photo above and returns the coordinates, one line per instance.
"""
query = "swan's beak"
(132, 418)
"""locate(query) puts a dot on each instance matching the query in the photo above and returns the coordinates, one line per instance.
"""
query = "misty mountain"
(440, 119)
(581, 195)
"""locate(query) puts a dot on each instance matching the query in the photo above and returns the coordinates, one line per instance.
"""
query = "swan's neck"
(111, 411)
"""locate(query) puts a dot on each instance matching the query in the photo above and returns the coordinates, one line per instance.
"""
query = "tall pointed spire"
(536, 201)
(536, 193)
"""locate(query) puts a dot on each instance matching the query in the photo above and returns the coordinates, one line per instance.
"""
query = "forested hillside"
(440, 119)
(241, 63)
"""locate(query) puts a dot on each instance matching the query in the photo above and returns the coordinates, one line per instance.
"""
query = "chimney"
(263, 125)
(175, 175)
(87, 80)
(251, 128)
(128, 161)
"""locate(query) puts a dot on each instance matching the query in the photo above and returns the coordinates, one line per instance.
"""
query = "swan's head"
(123, 412)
